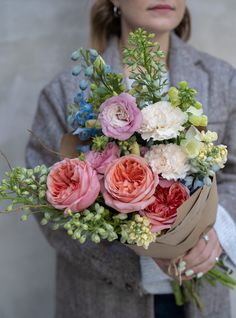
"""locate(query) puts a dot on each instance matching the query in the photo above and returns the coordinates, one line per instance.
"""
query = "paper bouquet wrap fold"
(194, 218)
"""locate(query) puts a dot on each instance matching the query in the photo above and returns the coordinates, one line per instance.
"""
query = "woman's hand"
(199, 260)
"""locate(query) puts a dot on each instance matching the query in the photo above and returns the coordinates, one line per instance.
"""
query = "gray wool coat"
(105, 280)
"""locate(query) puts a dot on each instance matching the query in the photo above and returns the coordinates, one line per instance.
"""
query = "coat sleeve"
(227, 177)
(112, 262)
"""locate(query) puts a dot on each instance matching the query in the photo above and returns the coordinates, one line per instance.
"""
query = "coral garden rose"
(169, 161)
(162, 121)
(120, 116)
(129, 184)
(72, 184)
(163, 212)
(100, 160)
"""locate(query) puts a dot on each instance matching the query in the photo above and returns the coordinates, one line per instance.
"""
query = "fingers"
(203, 256)
(199, 260)
(209, 263)
(202, 251)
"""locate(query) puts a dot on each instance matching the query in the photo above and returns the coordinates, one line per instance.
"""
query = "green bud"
(70, 232)
(95, 238)
(43, 179)
(108, 226)
(77, 233)
(86, 212)
(44, 221)
(67, 226)
(97, 217)
(121, 216)
(101, 210)
(89, 217)
(183, 84)
(203, 121)
(47, 216)
(134, 149)
(97, 206)
(102, 232)
(37, 169)
(198, 105)
(24, 218)
(15, 188)
(93, 87)
(9, 208)
(42, 194)
(82, 239)
(33, 187)
(99, 63)
(55, 227)
(85, 227)
(195, 120)
(28, 181)
(25, 193)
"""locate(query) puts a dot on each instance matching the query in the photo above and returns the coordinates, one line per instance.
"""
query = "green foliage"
(25, 189)
(144, 58)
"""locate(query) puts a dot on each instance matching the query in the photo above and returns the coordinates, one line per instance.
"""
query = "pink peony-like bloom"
(129, 184)
(72, 184)
(120, 117)
(100, 160)
(163, 212)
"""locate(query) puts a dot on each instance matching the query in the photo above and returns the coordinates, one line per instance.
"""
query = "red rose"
(163, 212)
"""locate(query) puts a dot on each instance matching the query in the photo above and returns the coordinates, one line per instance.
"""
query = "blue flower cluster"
(82, 110)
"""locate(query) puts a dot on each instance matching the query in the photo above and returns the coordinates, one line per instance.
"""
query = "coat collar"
(184, 65)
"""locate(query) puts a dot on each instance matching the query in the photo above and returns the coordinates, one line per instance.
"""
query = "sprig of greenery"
(25, 189)
(144, 58)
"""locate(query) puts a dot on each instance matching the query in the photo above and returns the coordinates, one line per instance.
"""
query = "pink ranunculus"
(72, 184)
(100, 160)
(129, 184)
(120, 116)
(163, 212)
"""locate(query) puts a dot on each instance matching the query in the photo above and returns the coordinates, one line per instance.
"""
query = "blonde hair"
(104, 24)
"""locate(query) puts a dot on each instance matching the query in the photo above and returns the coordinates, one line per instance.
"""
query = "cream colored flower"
(162, 121)
(168, 160)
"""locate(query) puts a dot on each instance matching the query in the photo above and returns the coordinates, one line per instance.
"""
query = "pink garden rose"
(129, 184)
(100, 160)
(72, 184)
(120, 117)
(169, 195)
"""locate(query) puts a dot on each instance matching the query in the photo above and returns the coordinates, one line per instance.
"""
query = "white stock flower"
(162, 121)
(168, 160)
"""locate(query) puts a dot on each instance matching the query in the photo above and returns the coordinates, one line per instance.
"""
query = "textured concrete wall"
(36, 40)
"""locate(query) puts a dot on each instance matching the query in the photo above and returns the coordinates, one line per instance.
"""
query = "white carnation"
(168, 160)
(162, 121)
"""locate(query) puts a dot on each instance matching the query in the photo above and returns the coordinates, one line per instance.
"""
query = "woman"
(108, 279)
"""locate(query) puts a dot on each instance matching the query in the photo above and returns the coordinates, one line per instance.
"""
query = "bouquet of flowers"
(139, 164)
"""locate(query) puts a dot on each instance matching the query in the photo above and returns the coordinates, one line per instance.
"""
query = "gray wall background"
(36, 40)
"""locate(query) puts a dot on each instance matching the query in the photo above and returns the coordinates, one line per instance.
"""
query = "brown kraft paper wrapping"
(194, 218)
